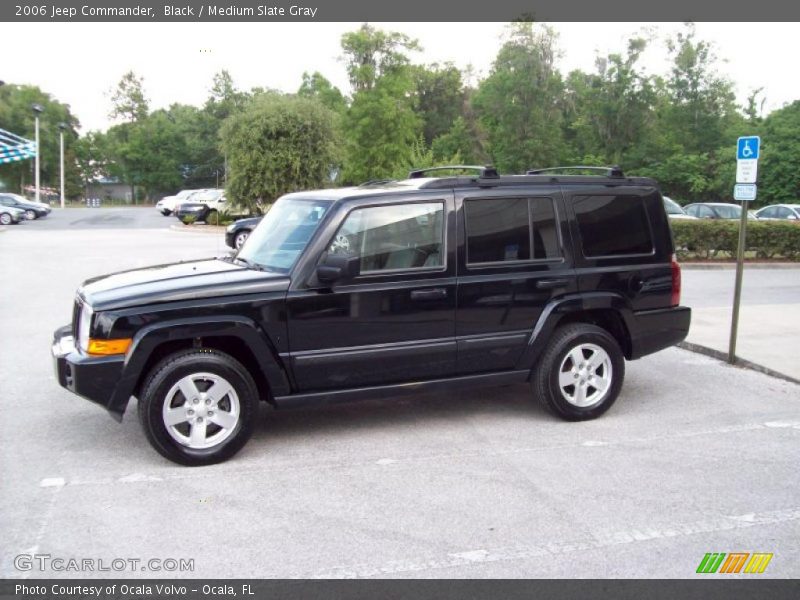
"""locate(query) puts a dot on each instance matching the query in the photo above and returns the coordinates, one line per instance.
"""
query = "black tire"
(166, 212)
(579, 337)
(30, 214)
(241, 238)
(156, 392)
(5, 219)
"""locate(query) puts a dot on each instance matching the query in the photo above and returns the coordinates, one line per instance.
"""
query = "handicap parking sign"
(747, 148)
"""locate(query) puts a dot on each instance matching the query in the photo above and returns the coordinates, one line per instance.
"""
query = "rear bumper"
(94, 378)
(654, 330)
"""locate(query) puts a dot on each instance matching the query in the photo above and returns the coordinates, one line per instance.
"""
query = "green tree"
(440, 98)
(381, 127)
(128, 100)
(17, 117)
(370, 53)
(779, 168)
(381, 124)
(315, 85)
(610, 112)
(149, 154)
(519, 103)
(700, 107)
(278, 144)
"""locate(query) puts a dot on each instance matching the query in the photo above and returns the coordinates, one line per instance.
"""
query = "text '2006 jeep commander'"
(431, 283)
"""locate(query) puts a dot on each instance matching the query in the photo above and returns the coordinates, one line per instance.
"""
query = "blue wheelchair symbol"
(747, 147)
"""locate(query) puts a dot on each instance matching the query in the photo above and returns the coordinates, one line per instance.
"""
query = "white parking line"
(480, 556)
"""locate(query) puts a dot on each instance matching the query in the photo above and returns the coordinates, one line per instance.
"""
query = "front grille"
(76, 315)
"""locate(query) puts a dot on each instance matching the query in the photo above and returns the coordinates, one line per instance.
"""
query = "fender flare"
(558, 308)
(147, 339)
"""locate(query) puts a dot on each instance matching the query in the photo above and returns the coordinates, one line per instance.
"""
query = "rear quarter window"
(613, 225)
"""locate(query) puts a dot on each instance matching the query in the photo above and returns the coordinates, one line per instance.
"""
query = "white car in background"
(674, 210)
(169, 204)
(780, 212)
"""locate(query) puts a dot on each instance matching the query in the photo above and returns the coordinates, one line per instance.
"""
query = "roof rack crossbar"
(484, 172)
(375, 182)
(613, 171)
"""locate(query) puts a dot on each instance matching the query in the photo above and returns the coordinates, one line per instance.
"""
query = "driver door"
(395, 321)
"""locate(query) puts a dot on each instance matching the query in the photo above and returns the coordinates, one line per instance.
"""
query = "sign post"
(747, 150)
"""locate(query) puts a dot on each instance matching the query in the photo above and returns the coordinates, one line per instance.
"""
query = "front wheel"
(580, 373)
(30, 215)
(198, 407)
(241, 238)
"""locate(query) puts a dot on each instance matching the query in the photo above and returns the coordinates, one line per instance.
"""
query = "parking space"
(695, 457)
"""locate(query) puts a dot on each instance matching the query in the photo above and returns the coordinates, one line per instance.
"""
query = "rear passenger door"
(622, 243)
(512, 261)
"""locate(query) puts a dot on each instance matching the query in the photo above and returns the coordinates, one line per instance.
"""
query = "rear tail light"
(675, 298)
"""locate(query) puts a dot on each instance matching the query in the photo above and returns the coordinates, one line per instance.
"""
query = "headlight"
(84, 325)
(230, 227)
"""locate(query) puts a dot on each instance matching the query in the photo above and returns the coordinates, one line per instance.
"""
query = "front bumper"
(94, 378)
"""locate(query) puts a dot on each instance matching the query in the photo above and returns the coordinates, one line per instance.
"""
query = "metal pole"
(62, 168)
(737, 294)
(37, 157)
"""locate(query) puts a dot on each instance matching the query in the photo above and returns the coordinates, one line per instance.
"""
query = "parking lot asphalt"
(695, 457)
(769, 316)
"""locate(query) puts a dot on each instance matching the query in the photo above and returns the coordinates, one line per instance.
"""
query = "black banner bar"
(409, 10)
(702, 588)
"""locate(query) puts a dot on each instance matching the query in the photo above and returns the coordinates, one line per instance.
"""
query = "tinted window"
(768, 212)
(613, 225)
(510, 229)
(387, 238)
(726, 211)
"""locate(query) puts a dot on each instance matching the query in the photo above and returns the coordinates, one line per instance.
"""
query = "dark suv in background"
(431, 283)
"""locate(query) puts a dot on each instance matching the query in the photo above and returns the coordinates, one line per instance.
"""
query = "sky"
(79, 63)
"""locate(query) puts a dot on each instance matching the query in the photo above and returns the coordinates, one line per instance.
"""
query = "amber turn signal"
(108, 347)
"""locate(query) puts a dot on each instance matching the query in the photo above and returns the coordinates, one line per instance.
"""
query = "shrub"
(711, 239)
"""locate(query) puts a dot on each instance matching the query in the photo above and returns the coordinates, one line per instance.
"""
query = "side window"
(393, 237)
(782, 212)
(704, 212)
(613, 225)
(510, 229)
(768, 213)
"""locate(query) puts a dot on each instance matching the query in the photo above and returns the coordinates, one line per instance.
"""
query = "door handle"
(431, 294)
(549, 284)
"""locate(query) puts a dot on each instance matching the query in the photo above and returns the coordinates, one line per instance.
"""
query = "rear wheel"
(198, 407)
(580, 373)
(5, 219)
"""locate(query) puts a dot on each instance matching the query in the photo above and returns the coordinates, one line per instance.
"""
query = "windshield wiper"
(249, 263)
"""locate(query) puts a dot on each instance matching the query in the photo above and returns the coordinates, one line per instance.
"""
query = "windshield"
(283, 233)
(728, 211)
(673, 208)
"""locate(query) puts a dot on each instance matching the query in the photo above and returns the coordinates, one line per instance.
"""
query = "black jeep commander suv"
(431, 283)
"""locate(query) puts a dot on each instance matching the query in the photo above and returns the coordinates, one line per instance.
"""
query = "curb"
(747, 265)
(198, 228)
(740, 362)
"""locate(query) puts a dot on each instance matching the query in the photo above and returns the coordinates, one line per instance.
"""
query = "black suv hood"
(178, 281)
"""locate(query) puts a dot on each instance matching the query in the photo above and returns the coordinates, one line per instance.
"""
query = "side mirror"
(338, 267)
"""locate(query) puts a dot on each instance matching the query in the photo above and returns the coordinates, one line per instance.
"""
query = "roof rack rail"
(613, 171)
(484, 172)
(375, 182)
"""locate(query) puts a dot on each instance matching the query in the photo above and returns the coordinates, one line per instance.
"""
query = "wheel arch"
(237, 336)
(609, 311)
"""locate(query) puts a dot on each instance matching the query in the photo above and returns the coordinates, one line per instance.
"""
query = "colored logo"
(734, 562)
